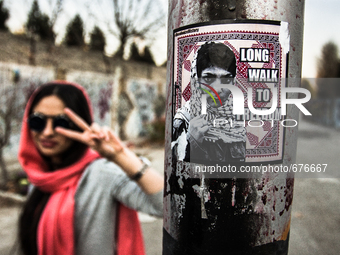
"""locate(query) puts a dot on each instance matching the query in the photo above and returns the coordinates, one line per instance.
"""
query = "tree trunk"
(107, 64)
(31, 58)
(120, 52)
(4, 172)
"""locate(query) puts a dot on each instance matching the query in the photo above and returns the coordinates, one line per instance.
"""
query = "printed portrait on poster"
(214, 67)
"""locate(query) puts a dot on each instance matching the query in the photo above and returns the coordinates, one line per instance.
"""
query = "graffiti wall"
(99, 87)
(136, 104)
(143, 94)
(17, 82)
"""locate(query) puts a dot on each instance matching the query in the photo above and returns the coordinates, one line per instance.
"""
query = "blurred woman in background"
(87, 183)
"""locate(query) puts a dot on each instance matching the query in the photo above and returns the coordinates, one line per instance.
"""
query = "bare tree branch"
(133, 19)
(56, 10)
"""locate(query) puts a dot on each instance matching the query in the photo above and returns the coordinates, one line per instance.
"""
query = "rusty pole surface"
(249, 216)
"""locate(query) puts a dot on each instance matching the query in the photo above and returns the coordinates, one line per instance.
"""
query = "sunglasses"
(37, 121)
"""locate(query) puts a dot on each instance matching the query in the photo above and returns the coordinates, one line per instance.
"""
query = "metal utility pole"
(228, 189)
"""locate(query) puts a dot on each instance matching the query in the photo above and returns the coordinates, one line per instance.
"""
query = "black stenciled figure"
(204, 129)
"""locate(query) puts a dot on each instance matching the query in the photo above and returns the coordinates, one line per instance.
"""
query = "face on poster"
(223, 74)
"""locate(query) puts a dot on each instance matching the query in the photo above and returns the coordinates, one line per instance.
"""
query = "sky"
(19, 11)
(322, 22)
(321, 26)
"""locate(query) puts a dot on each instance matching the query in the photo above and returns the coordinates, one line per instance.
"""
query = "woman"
(82, 175)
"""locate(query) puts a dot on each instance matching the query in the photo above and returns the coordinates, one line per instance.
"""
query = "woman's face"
(50, 143)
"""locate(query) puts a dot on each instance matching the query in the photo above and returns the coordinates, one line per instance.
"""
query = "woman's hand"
(108, 145)
(101, 139)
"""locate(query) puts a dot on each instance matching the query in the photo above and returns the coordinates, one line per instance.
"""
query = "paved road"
(315, 227)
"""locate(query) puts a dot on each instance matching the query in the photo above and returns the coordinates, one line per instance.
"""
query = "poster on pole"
(228, 79)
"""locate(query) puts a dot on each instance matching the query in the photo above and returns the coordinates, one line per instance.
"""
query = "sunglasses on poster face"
(37, 121)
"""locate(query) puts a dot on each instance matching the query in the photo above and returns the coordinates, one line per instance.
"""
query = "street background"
(315, 226)
(24, 56)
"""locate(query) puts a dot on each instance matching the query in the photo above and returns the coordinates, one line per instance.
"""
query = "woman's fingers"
(77, 120)
(98, 130)
(75, 135)
(115, 138)
(101, 139)
(107, 132)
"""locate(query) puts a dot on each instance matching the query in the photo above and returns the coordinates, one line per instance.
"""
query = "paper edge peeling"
(284, 36)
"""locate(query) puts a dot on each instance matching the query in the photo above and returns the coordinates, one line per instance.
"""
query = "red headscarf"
(55, 234)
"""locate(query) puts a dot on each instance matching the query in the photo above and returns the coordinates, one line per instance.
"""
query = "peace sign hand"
(101, 139)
